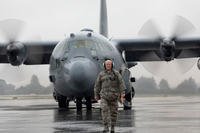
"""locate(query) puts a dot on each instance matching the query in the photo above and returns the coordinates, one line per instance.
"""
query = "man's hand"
(122, 98)
(97, 98)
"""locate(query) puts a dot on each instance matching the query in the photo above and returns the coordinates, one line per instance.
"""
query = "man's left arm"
(121, 88)
(97, 88)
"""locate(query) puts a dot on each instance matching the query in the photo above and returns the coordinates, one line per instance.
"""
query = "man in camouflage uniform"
(109, 87)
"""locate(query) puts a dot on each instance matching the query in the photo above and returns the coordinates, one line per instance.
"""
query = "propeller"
(181, 26)
(12, 32)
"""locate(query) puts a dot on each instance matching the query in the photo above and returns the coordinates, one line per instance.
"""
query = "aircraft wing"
(158, 49)
(189, 47)
(3, 57)
(29, 53)
(138, 49)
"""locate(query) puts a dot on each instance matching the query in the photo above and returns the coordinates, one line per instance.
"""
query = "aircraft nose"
(82, 72)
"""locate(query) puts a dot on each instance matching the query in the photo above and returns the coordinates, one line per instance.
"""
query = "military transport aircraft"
(76, 61)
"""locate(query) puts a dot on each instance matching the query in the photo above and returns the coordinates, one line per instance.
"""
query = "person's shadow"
(88, 121)
(126, 118)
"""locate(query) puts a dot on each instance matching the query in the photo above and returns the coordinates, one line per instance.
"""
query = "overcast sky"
(53, 19)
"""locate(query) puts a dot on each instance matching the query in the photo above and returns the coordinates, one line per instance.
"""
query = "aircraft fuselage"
(77, 60)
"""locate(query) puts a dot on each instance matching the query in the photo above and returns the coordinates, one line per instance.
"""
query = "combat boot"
(112, 129)
(106, 129)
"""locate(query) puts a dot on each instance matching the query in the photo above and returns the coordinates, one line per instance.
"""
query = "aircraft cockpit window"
(105, 47)
(60, 50)
(81, 44)
(88, 44)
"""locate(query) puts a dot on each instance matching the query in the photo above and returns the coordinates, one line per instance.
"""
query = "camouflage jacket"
(109, 85)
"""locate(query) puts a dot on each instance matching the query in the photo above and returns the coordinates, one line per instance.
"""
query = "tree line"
(142, 85)
(148, 86)
(33, 88)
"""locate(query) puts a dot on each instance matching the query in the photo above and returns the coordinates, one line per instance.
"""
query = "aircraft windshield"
(88, 44)
(63, 48)
(82, 44)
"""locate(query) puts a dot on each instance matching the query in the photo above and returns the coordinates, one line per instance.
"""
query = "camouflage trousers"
(109, 112)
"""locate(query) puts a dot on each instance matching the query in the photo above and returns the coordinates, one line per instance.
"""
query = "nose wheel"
(79, 103)
(88, 103)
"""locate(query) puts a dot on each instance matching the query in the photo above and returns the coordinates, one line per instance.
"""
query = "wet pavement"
(149, 115)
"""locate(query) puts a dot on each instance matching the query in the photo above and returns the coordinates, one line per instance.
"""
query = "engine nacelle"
(167, 49)
(16, 53)
(198, 63)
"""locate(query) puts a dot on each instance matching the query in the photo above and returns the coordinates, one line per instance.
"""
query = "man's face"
(108, 65)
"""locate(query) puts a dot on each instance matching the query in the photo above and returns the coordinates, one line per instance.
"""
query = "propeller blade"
(154, 68)
(184, 65)
(150, 29)
(164, 69)
(181, 27)
(12, 74)
(11, 29)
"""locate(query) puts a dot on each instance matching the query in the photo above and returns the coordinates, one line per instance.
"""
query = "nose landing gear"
(63, 101)
(87, 102)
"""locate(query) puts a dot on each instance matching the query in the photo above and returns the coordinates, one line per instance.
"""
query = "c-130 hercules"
(76, 61)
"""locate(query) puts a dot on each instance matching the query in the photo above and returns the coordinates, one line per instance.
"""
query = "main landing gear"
(128, 100)
(63, 102)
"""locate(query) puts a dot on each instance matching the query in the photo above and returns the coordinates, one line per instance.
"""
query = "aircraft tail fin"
(103, 27)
